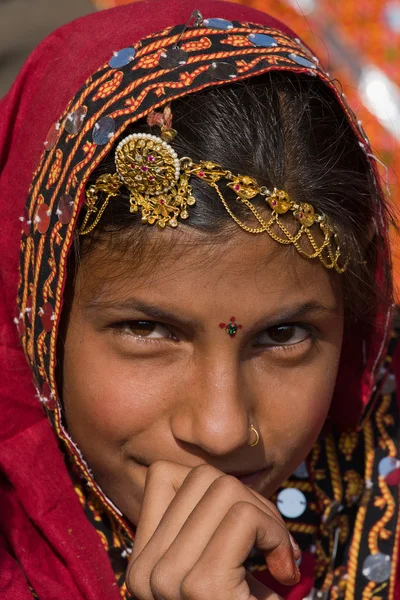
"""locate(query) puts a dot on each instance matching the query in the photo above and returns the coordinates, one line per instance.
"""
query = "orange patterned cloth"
(370, 30)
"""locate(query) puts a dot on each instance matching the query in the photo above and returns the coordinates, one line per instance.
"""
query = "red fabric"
(44, 535)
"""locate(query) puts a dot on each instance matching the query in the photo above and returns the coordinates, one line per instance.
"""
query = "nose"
(214, 413)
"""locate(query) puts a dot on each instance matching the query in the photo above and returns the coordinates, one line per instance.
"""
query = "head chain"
(158, 182)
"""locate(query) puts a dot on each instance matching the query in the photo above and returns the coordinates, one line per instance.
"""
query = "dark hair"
(287, 131)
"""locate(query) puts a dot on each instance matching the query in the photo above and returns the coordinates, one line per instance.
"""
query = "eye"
(144, 329)
(284, 335)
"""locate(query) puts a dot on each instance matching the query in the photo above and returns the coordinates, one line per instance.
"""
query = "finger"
(222, 562)
(162, 483)
(174, 562)
(165, 511)
(188, 523)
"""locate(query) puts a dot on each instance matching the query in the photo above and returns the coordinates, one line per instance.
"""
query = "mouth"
(254, 480)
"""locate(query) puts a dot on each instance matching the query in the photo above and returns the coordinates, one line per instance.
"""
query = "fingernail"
(295, 545)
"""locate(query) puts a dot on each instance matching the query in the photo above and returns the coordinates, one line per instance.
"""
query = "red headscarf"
(45, 537)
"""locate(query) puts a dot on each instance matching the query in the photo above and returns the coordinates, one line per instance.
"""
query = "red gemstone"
(42, 218)
(274, 203)
(150, 158)
(222, 325)
(201, 174)
(151, 178)
(144, 168)
(162, 201)
(233, 319)
(301, 215)
(46, 316)
(237, 187)
(65, 209)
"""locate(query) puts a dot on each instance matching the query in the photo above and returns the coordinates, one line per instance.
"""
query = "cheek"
(108, 400)
(296, 409)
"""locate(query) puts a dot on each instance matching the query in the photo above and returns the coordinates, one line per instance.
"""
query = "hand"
(196, 529)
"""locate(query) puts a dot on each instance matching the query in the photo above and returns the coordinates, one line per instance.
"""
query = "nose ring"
(252, 428)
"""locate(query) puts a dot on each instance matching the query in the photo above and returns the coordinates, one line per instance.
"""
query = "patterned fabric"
(136, 80)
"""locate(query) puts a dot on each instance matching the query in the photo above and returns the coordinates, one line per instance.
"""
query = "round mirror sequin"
(300, 60)
(172, 58)
(122, 58)
(261, 39)
(291, 503)
(377, 567)
(301, 472)
(389, 469)
(387, 465)
(222, 71)
(52, 137)
(46, 316)
(42, 218)
(65, 209)
(103, 131)
(390, 384)
(74, 121)
(218, 24)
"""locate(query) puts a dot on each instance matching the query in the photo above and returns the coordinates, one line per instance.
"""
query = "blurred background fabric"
(25, 23)
(358, 42)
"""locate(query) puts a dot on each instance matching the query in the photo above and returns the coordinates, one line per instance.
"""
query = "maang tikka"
(158, 182)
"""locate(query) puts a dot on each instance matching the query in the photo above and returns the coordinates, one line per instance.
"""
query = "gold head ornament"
(158, 182)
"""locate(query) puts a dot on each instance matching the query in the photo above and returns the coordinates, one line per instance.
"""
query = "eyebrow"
(302, 309)
(160, 314)
(137, 305)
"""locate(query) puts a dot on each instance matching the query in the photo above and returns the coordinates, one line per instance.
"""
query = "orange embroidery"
(149, 61)
(110, 86)
(238, 41)
(348, 443)
(201, 44)
(55, 169)
(354, 487)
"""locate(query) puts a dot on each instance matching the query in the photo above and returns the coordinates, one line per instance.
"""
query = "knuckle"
(196, 587)
(203, 471)
(160, 584)
(136, 582)
(228, 486)
(243, 510)
(158, 468)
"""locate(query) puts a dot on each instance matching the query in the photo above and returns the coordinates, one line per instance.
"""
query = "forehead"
(185, 264)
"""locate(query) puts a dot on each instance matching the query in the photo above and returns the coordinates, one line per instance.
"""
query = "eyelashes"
(144, 330)
(284, 337)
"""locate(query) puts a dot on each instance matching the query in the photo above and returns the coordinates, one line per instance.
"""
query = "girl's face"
(149, 372)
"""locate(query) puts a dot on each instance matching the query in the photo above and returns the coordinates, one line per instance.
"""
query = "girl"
(204, 301)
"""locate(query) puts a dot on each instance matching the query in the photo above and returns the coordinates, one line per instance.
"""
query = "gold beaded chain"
(159, 187)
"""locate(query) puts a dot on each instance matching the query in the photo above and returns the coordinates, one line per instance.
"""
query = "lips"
(254, 480)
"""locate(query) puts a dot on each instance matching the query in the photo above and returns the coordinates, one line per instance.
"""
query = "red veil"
(47, 542)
